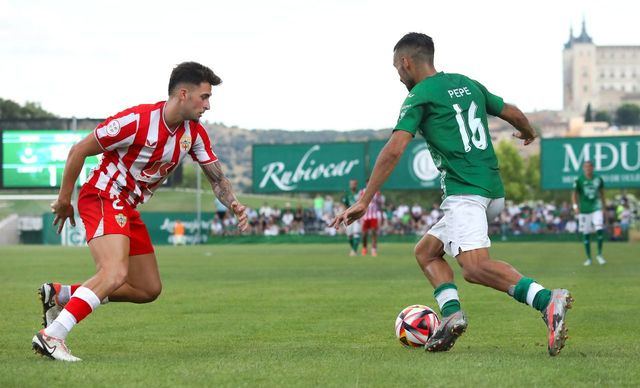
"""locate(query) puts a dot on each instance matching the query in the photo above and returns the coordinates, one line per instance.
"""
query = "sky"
(288, 64)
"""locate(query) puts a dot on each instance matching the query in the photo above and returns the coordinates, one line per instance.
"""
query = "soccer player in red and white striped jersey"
(371, 222)
(140, 147)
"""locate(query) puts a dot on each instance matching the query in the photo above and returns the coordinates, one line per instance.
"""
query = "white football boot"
(553, 316)
(52, 347)
(601, 260)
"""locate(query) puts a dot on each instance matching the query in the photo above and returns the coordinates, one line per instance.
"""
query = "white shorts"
(464, 226)
(590, 222)
(354, 229)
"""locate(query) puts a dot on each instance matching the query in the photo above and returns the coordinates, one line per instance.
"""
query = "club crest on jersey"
(113, 128)
(121, 219)
(185, 143)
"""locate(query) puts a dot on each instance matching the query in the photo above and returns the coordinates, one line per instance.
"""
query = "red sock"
(82, 304)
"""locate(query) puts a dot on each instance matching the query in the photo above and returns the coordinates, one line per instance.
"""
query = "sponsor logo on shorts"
(185, 142)
(121, 219)
(113, 128)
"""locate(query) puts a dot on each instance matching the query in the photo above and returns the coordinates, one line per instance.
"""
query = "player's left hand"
(527, 137)
(350, 215)
(239, 210)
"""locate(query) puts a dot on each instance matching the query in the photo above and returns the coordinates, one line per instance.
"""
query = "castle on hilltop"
(603, 76)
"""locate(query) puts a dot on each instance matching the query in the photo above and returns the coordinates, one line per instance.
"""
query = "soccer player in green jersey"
(589, 189)
(450, 111)
(353, 230)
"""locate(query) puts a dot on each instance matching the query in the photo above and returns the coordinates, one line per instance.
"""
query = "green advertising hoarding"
(616, 159)
(159, 224)
(36, 159)
(415, 170)
(307, 167)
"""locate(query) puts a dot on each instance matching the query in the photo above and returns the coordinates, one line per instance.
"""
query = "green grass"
(308, 315)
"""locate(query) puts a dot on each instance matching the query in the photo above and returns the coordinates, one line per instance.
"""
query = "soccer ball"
(415, 325)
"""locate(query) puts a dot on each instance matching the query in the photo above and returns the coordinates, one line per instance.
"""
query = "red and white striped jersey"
(374, 211)
(140, 151)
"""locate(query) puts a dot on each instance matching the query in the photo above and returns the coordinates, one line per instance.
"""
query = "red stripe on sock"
(74, 287)
(78, 308)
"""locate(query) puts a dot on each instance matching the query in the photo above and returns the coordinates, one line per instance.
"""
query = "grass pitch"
(309, 315)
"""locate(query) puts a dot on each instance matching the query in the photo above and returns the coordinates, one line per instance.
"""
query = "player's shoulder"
(143, 108)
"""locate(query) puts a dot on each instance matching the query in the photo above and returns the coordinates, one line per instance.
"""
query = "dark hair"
(192, 73)
(420, 46)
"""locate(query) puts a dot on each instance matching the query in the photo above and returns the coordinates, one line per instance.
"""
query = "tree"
(31, 110)
(602, 115)
(532, 174)
(512, 171)
(628, 114)
(588, 116)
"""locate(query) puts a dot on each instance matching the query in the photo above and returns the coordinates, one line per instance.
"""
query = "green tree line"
(11, 110)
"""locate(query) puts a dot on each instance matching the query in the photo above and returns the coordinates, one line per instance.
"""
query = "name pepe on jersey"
(140, 151)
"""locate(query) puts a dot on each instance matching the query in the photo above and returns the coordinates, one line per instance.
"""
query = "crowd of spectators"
(415, 219)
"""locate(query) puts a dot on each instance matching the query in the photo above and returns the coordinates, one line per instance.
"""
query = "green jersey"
(450, 111)
(350, 198)
(588, 193)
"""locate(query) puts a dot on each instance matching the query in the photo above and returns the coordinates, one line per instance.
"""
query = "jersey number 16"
(478, 133)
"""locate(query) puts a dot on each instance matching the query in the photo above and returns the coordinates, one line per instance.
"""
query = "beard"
(409, 84)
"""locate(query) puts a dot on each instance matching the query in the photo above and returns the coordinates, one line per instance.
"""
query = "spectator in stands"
(318, 206)
(178, 234)
(221, 210)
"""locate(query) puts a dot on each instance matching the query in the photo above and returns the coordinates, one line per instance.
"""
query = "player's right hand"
(527, 137)
(62, 211)
(350, 215)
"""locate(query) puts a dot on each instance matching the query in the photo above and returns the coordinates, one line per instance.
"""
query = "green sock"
(541, 301)
(529, 292)
(587, 245)
(447, 296)
(600, 237)
(351, 242)
(356, 242)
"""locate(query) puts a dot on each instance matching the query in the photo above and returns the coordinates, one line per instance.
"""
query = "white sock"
(534, 288)
(61, 327)
(446, 295)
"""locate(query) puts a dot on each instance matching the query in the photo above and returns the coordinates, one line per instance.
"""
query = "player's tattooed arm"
(224, 192)
(219, 183)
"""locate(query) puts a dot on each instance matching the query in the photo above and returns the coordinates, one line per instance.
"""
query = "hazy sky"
(285, 63)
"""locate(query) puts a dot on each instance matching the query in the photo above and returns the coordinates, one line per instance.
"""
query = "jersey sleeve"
(493, 103)
(411, 115)
(601, 183)
(117, 131)
(576, 185)
(201, 149)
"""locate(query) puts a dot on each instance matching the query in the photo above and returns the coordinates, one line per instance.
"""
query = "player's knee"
(115, 276)
(424, 255)
(153, 292)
